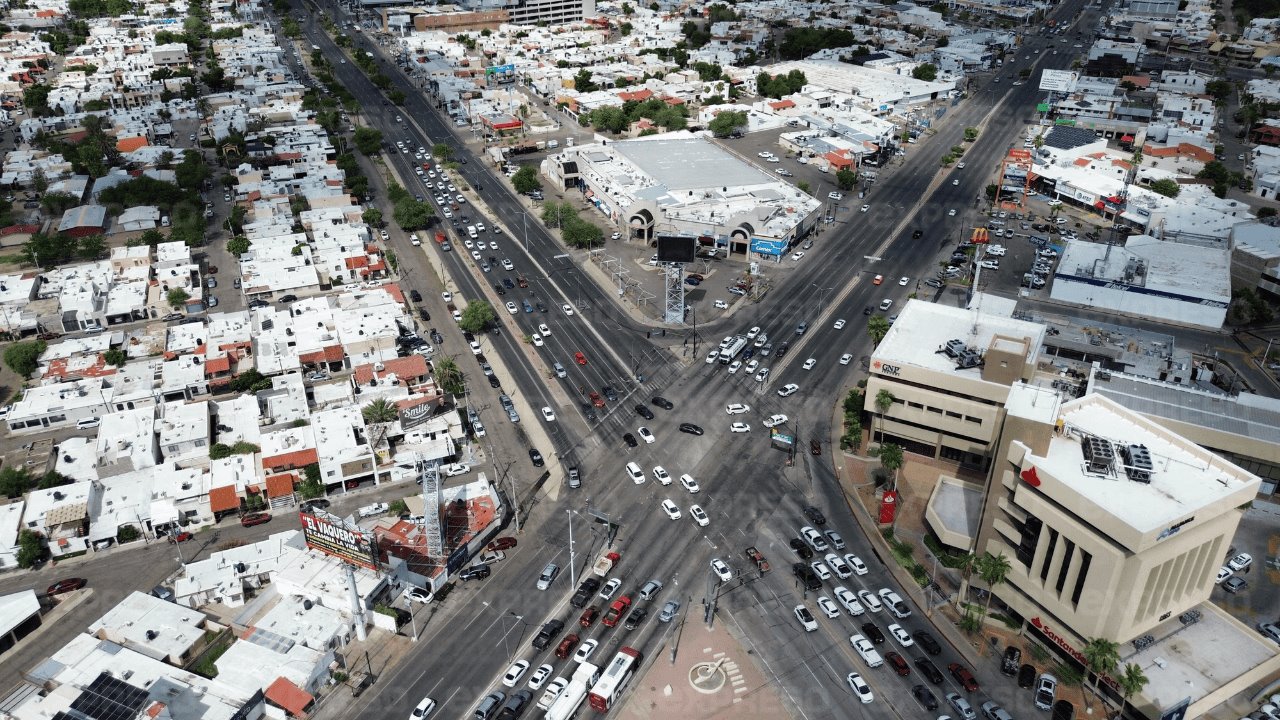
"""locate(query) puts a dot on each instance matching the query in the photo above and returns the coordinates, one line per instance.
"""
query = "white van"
(471, 231)
(89, 422)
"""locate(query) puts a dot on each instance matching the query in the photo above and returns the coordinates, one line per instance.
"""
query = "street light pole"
(573, 570)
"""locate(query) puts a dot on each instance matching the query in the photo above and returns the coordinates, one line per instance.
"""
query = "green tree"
(927, 72)
(411, 214)
(1132, 681)
(971, 134)
(477, 316)
(1166, 187)
(372, 217)
(1101, 656)
(30, 548)
(238, 246)
(127, 534)
(311, 485)
(91, 247)
(177, 297)
(526, 179)
(15, 482)
(877, 328)
(581, 234)
(846, 179)
(449, 376)
(24, 357)
(993, 569)
(558, 214)
(115, 356)
(884, 401)
(724, 124)
(891, 459)
(442, 151)
(380, 411)
(367, 140)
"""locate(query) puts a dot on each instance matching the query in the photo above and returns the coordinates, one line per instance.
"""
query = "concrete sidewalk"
(737, 688)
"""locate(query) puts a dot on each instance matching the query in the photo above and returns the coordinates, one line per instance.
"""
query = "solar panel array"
(106, 698)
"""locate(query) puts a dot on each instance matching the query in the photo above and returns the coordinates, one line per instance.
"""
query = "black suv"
(644, 412)
(924, 697)
(801, 549)
(548, 634)
(815, 515)
(929, 670)
(926, 641)
(873, 633)
(636, 617)
(475, 572)
(663, 403)
(584, 592)
(1012, 659)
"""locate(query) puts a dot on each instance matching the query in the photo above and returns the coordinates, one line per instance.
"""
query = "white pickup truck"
(372, 510)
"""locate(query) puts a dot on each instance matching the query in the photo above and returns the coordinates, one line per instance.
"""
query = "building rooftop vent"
(1098, 454)
(1137, 463)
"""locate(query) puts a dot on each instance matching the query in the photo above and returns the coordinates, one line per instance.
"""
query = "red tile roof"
(291, 460)
(782, 104)
(281, 485)
(213, 366)
(409, 367)
(357, 262)
(332, 353)
(640, 95)
(292, 698)
(223, 498)
(129, 144)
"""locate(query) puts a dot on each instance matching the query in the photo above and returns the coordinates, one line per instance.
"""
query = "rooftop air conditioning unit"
(1137, 463)
(1098, 454)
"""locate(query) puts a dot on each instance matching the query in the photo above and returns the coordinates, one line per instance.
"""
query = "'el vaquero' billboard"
(331, 536)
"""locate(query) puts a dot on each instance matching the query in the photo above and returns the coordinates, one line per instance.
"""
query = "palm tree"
(1131, 683)
(993, 569)
(1101, 656)
(966, 564)
(449, 376)
(379, 411)
(891, 459)
(884, 401)
(877, 328)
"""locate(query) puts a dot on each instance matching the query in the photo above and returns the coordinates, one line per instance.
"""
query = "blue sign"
(770, 246)
(499, 69)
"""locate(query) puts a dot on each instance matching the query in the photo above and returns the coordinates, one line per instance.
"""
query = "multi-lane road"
(751, 495)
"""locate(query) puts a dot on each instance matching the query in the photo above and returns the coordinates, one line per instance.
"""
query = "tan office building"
(949, 370)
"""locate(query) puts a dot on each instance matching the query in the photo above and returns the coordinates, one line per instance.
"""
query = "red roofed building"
(281, 485)
(223, 500)
(295, 460)
(328, 358)
(129, 144)
(637, 95)
(81, 366)
(782, 105)
(289, 697)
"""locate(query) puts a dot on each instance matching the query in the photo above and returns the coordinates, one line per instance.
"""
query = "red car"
(963, 676)
(502, 543)
(181, 537)
(900, 666)
(589, 616)
(596, 399)
(616, 611)
(65, 586)
(582, 359)
(255, 519)
(566, 646)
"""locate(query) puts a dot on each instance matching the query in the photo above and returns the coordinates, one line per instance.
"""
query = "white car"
(690, 484)
(989, 264)
(476, 256)
(996, 251)
(871, 602)
(661, 475)
(764, 154)
(736, 408)
(552, 693)
(1224, 572)
(548, 414)
(752, 333)
(860, 688)
(901, 636)
(788, 390)
(633, 472)
(751, 365)
(865, 208)
(475, 347)
(734, 367)
(838, 566)
(828, 607)
(797, 255)
(446, 296)
(546, 331)
(806, 618)
(671, 509)
(610, 588)
(567, 308)
(511, 308)
(775, 420)
(951, 212)
(506, 263)
(721, 305)
(839, 324)
(904, 281)
(868, 652)
(585, 650)
(845, 358)
(849, 601)
(835, 195)
(537, 340)
(856, 563)
(739, 427)
(424, 709)
(515, 672)
(699, 515)
(1240, 562)
(762, 375)
(713, 356)
(645, 435)
(820, 568)
(539, 677)
(721, 570)
(808, 364)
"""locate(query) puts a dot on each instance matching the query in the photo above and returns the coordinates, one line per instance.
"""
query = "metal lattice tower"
(675, 294)
(431, 508)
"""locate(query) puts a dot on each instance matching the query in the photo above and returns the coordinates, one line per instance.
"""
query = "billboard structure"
(1063, 81)
(677, 248)
(331, 535)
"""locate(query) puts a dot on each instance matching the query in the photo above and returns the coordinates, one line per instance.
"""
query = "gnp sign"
(331, 536)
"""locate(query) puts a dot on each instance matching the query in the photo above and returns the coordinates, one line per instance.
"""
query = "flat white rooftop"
(1183, 479)
(923, 328)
